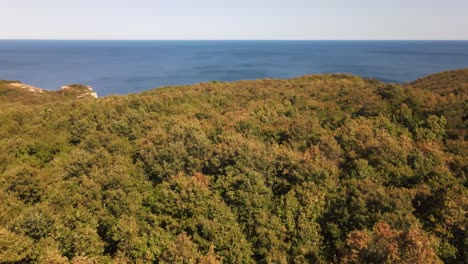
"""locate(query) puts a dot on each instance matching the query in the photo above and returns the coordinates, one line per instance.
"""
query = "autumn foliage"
(327, 168)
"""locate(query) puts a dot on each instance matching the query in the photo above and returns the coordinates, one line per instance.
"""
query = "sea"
(123, 67)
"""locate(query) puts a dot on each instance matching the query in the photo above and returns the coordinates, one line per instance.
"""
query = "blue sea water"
(122, 67)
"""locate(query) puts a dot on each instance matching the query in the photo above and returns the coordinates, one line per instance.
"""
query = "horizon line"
(57, 39)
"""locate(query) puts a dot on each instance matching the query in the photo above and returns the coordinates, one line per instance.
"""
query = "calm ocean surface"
(121, 67)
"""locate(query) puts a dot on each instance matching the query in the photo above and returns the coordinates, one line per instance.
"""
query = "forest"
(330, 168)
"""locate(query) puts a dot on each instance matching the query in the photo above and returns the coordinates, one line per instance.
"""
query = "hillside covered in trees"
(317, 169)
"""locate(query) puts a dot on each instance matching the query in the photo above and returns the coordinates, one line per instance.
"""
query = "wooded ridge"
(330, 168)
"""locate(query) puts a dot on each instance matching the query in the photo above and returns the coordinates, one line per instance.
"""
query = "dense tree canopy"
(316, 169)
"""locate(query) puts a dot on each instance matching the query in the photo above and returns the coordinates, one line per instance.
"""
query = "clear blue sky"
(228, 19)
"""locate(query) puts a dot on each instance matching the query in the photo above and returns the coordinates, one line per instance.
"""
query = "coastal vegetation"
(329, 168)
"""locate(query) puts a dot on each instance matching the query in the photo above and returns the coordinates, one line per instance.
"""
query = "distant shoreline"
(130, 66)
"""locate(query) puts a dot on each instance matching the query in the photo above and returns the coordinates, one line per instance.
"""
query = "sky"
(240, 19)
